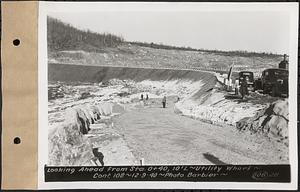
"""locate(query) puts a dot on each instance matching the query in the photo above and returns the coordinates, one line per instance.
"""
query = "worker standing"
(244, 87)
(236, 86)
(284, 64)
(164, 101)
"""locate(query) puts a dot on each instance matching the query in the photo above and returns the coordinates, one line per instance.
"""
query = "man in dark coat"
(284, 64)
(244, 88)
(164, 101)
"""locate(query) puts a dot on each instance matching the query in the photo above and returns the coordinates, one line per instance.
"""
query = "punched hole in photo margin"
(16, 42)
(17, 140)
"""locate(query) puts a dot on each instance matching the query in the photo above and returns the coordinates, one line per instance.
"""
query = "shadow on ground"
(214, 159)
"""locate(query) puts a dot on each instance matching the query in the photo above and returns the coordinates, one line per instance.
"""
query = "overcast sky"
(252, 31)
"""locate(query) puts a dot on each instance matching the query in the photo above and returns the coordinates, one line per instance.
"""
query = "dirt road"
(161, 136)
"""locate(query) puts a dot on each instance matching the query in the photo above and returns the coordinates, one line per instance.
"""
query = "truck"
(273, 81)
(249, 78)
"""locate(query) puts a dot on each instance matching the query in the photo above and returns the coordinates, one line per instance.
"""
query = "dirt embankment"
(84, 130)
(67, 144)
(96, 74)
(258, 113)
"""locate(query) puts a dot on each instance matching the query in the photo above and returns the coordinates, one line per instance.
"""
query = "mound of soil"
(271, 121)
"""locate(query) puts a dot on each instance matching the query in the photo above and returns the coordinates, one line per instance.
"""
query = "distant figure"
(164, 101)
(244, 88)
(98, 155)
(178, 99)
(142, 97)
(284, 64)
(147, 97)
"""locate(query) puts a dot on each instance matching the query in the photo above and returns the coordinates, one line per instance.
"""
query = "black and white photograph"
(143, 84)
